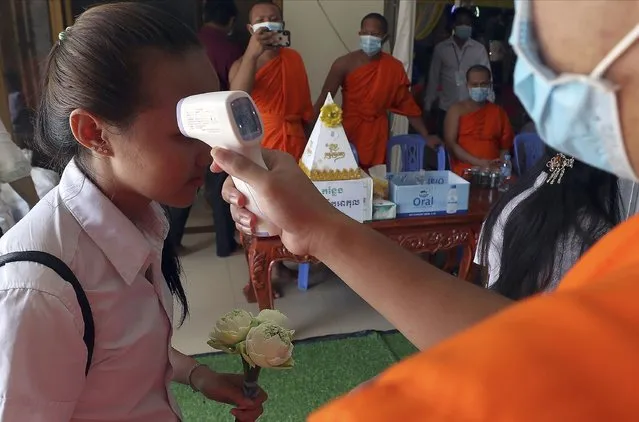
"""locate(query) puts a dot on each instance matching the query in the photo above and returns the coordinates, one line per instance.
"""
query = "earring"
(100, 150)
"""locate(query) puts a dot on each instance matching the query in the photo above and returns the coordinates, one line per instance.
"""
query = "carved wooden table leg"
(260, 261)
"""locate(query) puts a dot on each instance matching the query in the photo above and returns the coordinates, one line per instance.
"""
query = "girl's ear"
(90, 132)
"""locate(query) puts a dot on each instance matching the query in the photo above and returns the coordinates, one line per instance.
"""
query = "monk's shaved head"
(479, 68)
(378, 19)
(266, 9)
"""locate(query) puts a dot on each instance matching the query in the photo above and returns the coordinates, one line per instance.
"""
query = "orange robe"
(484, 134)
(283, 97)
(570, 355)
(369, 93)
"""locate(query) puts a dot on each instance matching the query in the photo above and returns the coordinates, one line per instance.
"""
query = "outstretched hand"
(285, 195)
(227, 388)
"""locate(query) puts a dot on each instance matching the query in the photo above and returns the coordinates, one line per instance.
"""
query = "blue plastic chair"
(412, 151)
(532, 148)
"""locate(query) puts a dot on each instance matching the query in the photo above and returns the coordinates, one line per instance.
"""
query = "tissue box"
(429, 193)
(384, 210)
(352, 197)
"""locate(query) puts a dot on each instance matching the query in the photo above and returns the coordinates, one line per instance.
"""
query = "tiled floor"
(214, 286)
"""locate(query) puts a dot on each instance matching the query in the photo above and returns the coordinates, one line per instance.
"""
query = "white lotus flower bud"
(274, 316)
(230, 330)
(268, 346)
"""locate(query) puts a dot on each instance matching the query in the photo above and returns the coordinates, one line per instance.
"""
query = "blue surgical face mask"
(463, 31)
(574, 114)
(370, 44)
(479, 94)
(271, 26)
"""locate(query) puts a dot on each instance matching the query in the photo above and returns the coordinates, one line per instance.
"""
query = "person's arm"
(182, 366)
(418, 124)
(451, 133)
(433, 79)
(43, 354)
(332, 83)
(507, 135)
(423, 302)
(223, 388)
(419, 292)
(242, 74)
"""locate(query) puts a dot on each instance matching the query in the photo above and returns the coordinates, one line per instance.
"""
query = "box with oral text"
(423, 193)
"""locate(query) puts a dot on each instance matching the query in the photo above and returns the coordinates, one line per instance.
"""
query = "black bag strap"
(57, 265)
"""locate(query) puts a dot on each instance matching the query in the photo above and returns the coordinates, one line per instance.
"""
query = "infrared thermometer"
(229, 120)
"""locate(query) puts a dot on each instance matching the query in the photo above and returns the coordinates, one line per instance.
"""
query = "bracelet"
(188, 378)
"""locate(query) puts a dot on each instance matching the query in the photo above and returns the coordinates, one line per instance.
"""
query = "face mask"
(271, 26)
(574, 114)
(479, 94)
(463, 31)
(370, 44)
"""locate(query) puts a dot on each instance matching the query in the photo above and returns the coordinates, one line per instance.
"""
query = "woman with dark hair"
(107, 117)
(540, 228)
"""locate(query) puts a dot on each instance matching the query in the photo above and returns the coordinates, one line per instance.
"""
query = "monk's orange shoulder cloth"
(369, 93)
(483, 133)
(283, 97)
(571, 355)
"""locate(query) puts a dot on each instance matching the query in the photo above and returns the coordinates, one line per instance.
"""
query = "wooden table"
(417, 234)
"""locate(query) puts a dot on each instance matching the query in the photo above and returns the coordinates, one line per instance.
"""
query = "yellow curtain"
(429, 12)
(427, 16)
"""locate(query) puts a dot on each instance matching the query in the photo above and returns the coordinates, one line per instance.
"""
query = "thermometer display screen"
(246, 119)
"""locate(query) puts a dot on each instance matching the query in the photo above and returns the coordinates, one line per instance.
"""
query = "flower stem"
(251, 375)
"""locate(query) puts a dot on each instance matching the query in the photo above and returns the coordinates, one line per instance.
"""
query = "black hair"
(96, 67)
(380, 18)
(573, 215)
(220, 12)
(478, 68)
(461, 12)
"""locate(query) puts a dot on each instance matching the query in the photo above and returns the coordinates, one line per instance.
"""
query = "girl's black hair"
(96, 66)
(575, 213)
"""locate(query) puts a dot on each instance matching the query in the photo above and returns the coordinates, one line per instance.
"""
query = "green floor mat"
(324, 369)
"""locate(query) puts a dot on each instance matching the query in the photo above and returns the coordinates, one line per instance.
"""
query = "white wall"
(314, 38)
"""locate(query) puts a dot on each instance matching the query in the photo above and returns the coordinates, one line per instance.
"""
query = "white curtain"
(403, 51)
(629, 197)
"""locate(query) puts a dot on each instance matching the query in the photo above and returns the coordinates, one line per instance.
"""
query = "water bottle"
(506, 170)
(451, 203)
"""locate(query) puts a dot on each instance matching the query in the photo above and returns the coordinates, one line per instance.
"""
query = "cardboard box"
(352, 197)
(429, 193)
(384, 210)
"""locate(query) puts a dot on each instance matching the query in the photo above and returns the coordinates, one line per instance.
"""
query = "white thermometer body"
(230, 120)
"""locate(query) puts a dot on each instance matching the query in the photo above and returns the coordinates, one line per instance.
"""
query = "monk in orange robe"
(373, 83)
(276, 79)
(566, 356)
(477, 132)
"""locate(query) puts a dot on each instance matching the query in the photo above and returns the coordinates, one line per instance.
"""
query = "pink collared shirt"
(42, 356)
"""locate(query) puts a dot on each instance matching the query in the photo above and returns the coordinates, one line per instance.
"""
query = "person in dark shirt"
(219, 18)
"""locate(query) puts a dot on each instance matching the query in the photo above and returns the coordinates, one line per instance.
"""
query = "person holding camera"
(276, 79)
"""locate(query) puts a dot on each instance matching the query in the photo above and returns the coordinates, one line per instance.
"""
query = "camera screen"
(246, 119)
